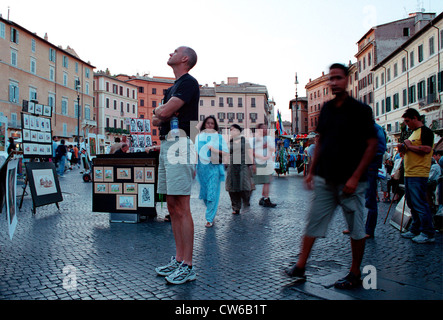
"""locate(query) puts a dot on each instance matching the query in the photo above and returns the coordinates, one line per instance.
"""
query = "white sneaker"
(182, 274)
(408, 235)
(168, 269)
(423, 238)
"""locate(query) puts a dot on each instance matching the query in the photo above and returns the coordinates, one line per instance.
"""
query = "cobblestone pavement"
(240, 258)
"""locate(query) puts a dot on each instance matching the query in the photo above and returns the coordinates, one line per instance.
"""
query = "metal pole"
(78, 121)
(78, 114)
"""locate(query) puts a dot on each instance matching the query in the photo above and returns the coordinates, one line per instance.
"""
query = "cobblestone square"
(77, 254)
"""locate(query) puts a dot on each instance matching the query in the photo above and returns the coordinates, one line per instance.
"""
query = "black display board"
(43, 183)
(125, 184)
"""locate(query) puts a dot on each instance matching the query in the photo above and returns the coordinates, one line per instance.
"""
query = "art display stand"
(125, 186)
(36, 130)
(41, 175)
(43, 183)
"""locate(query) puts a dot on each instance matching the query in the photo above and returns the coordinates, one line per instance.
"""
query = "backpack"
(381, 146)
(58, 152)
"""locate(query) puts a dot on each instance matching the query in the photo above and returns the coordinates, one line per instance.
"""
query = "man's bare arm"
(167, 110)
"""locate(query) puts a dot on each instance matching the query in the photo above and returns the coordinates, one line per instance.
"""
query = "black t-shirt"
(187, 89)
(61, 150)
(344, 132)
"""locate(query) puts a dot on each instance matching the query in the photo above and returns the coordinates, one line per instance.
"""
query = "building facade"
(151, 92)
(317, 93)
(378, 43)
(353, 80)
(299, 115)
(116, 102)
(415, 81)
(32, 68)
(245, 104)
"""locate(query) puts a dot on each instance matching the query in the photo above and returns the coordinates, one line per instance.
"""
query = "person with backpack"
(373, 175)
(60, 154)
(371, 192)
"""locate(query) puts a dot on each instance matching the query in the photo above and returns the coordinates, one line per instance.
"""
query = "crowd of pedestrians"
(349, 181)
(65, 157)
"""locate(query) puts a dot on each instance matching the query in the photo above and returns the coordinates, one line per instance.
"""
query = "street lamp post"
(296, 104)
(77, 88)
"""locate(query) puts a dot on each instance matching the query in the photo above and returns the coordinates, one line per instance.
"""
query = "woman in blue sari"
(210, 170)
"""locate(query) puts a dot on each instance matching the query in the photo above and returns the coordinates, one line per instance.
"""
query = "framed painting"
(25, 121)
(26, 135)
(48, 150)
(108, 173)
(147, 125)
(146, 195)
(133, 126)
(141, 140)
(26, 148)
(100, 187)
(150, 175)
(98, 174)
(47, 111)
(130, 188)
(31, 107)
(115, 188)
(43, 183)
(40, 137)
(47, 137)
(11, 196)
(92, 140)
(148, 141)
(32, 123)
(134, 140)
(126, 202)
(42, 122)
(38, 109)
(139, 174)
(140, 125)
(34, 136)
(124, 173)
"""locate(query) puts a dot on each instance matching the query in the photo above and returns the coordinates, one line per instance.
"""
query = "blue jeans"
(415, 193)
(61, 166)
(371, 201)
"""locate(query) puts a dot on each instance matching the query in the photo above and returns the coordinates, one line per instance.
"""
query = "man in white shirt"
(264, 147)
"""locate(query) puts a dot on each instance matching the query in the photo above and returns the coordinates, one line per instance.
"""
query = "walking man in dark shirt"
(177, 161)
(339, 171)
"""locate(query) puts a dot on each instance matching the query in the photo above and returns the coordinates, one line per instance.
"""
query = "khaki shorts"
(176, 166)
(327, 197)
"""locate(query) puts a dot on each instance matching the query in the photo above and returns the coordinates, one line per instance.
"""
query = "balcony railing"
(429, 102)
(89, 123)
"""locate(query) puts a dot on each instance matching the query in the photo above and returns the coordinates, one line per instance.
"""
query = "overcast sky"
(259, 41)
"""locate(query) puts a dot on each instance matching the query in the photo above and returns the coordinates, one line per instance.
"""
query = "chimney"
(232, 81)
(421, 19)
(46, 36)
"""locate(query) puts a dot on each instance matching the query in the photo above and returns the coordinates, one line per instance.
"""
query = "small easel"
(45, 200)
